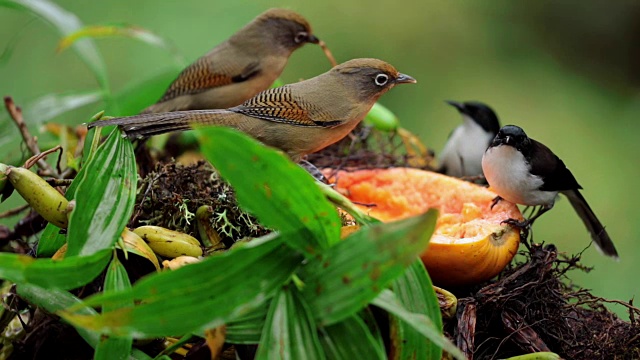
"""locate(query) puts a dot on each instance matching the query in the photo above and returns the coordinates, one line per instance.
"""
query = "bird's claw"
(516, 223)
(496, 200)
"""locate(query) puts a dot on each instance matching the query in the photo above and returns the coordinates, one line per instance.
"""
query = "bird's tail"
(145, 125)
(597, 231)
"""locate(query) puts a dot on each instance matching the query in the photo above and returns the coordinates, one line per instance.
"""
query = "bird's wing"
(205, 74)
(280, 105)
(552, 169)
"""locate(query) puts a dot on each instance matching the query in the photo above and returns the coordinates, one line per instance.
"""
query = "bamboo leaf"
(415, 292)
(121, 30)
(54, 300)
(70, 273)
(200, 296)
(49, 106)
(111, 347)
(350, 339)
(289, 332)
(106, 197)
(247, 329)
(278, 192)
(389, 302)
(66, 23)
(346, 277)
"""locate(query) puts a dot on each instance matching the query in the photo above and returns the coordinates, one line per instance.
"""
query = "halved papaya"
(469, 245)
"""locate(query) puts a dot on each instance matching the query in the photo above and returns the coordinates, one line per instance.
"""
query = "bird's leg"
(528, 222)
(495, 200)
(543, 209)
(314, 171)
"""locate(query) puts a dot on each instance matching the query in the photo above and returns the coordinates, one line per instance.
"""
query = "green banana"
(42, 197)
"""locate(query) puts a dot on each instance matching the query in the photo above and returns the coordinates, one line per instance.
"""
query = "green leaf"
(346, 277)
(135, 97)
(415, 292)
(204, 295)
(66, 23)
(140, 355)
(54, 300)
(125, 30)
(106, 197)
(70, 273)
(278, 192)
(49, 106)
(111, 347)
(420, 322)
(50, 240)
(247, 329)
(350, 339)
(289, 332)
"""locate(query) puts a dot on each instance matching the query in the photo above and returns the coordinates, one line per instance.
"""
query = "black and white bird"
(523, 171)
(462, 154)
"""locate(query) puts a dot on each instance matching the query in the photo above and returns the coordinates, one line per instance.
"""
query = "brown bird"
(240, 67)
(299, 118)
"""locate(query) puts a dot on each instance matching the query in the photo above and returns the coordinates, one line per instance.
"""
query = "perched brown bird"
(240, 67)
(299, 118)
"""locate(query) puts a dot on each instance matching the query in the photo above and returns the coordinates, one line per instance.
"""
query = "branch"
(16, 114)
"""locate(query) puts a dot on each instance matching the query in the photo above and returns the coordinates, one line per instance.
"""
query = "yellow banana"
(179, 262)
(169, 243)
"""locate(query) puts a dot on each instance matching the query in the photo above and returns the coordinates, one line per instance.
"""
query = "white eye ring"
(381, 79)
(301, 37)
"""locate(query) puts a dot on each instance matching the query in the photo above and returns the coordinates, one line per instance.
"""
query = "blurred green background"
(567, 72)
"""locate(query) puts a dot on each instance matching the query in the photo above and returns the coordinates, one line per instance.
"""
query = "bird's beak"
(456, 105)
(405, 79)
(313, 39)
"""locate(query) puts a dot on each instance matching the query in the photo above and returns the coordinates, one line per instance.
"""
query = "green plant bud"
(208, 235)
(381, 118)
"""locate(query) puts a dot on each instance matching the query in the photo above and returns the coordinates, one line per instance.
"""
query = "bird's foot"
(496, 200)
(516, 223)
(314, 172)
(524, 227)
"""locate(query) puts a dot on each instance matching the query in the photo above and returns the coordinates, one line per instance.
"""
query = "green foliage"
(280, 193)
(108, 188)
(111, 347)
(413, 290)
(65, 274)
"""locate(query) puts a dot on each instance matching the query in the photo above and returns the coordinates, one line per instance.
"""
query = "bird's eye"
(381, 79)
(301, 37)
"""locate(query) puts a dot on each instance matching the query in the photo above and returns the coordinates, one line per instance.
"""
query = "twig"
(13, 212)
(16, 114)
(35, 158)
(596, 299)
(59, 182)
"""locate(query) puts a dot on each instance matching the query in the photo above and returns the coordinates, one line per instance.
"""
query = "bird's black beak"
(503, 140)
(457, 105)
(313, 39)
(405, 79)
